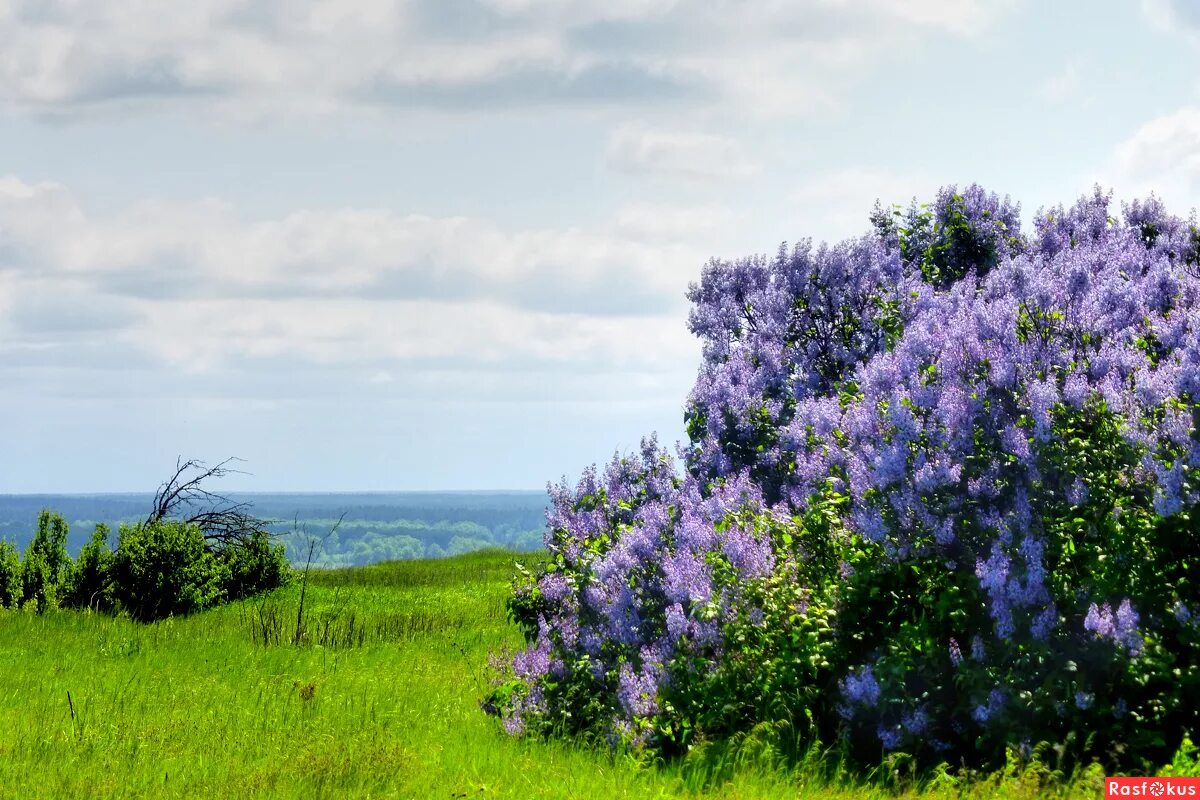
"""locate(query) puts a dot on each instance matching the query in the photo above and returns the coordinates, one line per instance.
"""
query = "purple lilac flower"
(977, 652)
(1044, 623)
(985, 712)
(915, 722)
(533, 662)
(1121, 627)
(1099, 620)
(1127, 628)
(637, 692)
(554, 587)
(889, 737)
(861, 689)
(687, 578)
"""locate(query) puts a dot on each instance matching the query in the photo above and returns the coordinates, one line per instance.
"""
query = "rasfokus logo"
(1151, 787)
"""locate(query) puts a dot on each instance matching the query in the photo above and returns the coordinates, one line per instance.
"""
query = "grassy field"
(379, 700)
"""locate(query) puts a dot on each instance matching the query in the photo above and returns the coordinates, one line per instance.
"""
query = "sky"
(435, 244)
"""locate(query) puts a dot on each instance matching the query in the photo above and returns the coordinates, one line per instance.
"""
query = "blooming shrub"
(939, 497)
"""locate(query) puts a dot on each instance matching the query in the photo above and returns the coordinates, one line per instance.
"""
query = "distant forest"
(374, 527)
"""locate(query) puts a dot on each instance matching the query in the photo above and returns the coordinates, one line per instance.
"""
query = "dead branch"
(185, 496)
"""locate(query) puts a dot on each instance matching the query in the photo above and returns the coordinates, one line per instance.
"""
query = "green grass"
(380, 699)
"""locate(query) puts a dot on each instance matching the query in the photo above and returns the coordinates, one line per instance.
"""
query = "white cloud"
(658, 222)
(1172, 15)
(400, 298)
(677, 153)
(315, 56)
(204, 250)
(1163, 156)
(963, 17)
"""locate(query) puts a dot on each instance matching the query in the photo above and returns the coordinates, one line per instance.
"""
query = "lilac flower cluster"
(1121, 627)
(779, 337)
(647, 570)
(933, 383)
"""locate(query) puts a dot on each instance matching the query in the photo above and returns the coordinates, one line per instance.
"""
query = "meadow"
(378, 696)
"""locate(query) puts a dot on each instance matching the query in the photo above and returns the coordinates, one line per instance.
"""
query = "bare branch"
(185, 497)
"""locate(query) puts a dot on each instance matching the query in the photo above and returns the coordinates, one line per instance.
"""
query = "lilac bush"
(939, 497)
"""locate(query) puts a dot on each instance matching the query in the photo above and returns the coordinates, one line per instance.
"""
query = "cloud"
(684, 154)
(159, 251)
(668, 223)
(1162, 156)
(63, 58)
(50, 311)
(1170, 15)
(965, 18)
(197, 292)
(536, 84)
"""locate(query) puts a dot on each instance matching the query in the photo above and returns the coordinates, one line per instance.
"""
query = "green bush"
(51, 541)
(941, 505)
(159, 569)
(88, 583)
(166, 569)
(10, 575)
(46, 561)
(37, 582)
(254, 566)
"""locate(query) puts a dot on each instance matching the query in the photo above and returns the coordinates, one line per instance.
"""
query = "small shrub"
(46, 562)
(51, 541)
(10, 575)
(88, 583)
(166, 569)
(253, 566)
(37, 585)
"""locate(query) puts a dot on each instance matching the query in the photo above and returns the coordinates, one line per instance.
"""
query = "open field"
(380, 701)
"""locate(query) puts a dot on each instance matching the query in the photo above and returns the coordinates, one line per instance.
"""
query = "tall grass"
(379, 699)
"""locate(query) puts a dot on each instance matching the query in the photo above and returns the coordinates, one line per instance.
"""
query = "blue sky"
(423, 244)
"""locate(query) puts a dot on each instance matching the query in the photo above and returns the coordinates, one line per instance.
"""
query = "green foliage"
(46, 561)
(51, 541)
(166, 569)
(361, 541)
(254, 566)
(88, 583)
(1130, 709)
(780, 660)
(37, 582)
(10, 575)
